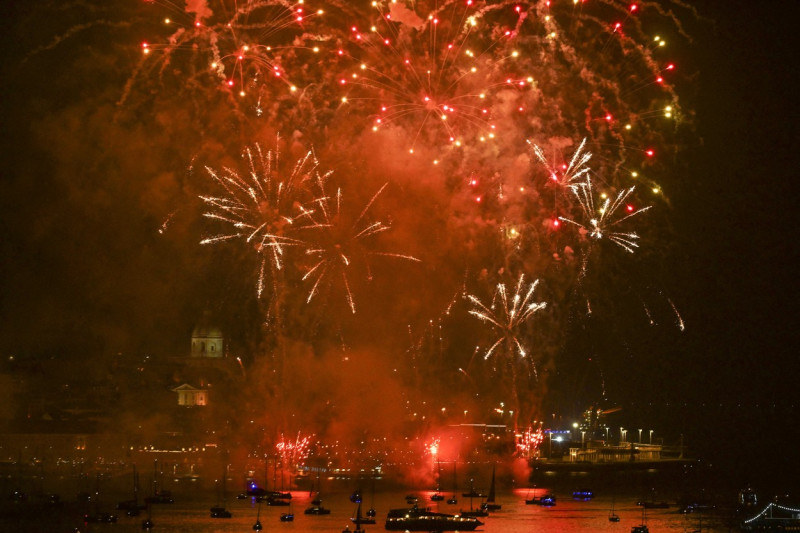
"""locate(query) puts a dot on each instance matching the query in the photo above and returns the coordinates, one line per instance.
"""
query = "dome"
(205, 329)
(207, 340)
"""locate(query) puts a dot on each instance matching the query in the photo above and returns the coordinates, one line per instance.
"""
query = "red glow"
(556, 223)
(634, 7)
(671, 66)
(478, 199)
(629, 208)
(659, 80)
(609, 118)
(650, 153)
(230, 83)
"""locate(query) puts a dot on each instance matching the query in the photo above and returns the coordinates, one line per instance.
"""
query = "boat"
(472, 492)
(642, 528)
(287, 517)
(371, 511)
(773, 517)
(652, 503)
(159, 496)
(547, 500)
(219, 511)
(316, 504)
(453, 500)
(489, 504)
(257, 526)
(358, 519)
(317, 510)
(438, 496)
(99, 517)
(418, 519)
(474, 512)
(612, 516)
(582, 495)
(276, 502)
(132, 507)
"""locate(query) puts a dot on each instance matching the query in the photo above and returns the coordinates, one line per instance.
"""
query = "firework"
(602, 217)
(432, 70)
(529, 441)
(507, 314)
(264, 207)
(335, 243)
(247, 51)
(293, 451)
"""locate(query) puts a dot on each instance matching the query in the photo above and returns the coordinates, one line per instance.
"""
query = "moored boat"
(417, 519)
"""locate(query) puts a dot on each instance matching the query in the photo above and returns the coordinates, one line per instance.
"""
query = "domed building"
(207, 340)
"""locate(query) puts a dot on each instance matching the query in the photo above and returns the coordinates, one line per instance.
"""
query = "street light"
(640, 435)
(651, 436)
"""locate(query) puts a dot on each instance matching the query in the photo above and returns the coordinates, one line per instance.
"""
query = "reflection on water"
(190, 513)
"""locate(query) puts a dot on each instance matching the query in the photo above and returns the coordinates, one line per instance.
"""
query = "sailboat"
(159, 496)
(438, 496)
(99, 517)
(643, 527)
(358, 519)
(490, 504)
(316, 504)
(548, 500)
(219, 511)
(453, 500)
(472, 492)
(371, 511)
(612, 516)
(257, 526)
(132, 507)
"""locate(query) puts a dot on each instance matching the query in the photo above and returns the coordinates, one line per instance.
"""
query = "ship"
(774, 517)
(417, 519)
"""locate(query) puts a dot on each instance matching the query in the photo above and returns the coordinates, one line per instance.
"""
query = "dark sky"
(85, 271)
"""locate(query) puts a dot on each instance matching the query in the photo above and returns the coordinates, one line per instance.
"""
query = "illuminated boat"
(416, 519)
(582, 495)
(548, 500)
(774, 517)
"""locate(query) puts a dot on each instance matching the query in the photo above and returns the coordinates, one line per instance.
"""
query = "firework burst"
(263, 207)
(507, 314)
(335, 242)
(250, 51)
(603, 215)
(433, 70)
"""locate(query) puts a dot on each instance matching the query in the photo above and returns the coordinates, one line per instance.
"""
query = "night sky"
(101, 228)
